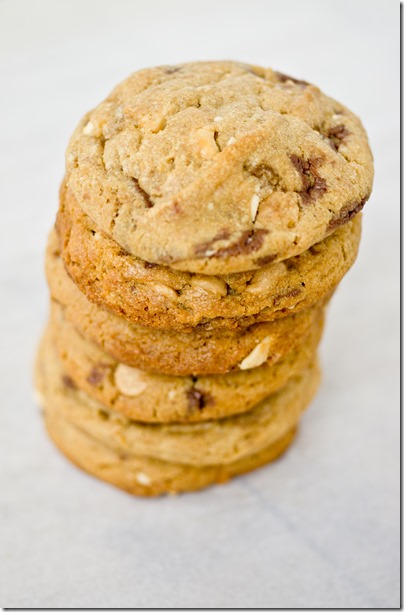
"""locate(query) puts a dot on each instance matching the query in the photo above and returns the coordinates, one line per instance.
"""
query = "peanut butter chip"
(210, 285)
(129, 380)
(257, 356)
(165, 290)
(206, 143)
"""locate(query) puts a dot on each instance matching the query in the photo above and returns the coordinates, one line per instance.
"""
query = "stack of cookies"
(208, 212)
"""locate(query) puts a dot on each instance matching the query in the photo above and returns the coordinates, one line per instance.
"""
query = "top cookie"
(219, 167)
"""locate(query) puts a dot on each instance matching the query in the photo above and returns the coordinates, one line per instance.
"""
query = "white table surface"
(320, 527)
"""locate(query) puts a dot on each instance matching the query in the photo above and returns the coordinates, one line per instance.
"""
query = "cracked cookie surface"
(218, 167)
(158, 296)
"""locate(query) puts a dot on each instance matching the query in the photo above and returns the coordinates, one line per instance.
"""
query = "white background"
(320, 527)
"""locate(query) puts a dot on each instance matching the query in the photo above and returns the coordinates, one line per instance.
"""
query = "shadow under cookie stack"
(208, 212)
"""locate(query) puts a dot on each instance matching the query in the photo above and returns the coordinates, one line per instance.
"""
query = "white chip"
(231, 140)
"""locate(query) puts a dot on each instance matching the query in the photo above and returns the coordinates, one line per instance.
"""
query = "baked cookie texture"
(219, 441)
(193, 352)
(144, 476)
(163, 298)
(246, 165)
(208, 212)
(148, 397)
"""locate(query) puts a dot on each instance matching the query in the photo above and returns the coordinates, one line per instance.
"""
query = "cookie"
(168, 299)
(145, 476)
(220, 441)
(218, 167)
(202, 350)
(147, 397)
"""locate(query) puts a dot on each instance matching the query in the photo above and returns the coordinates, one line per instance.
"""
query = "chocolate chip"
(314, 185)
(249, 241)
(315, 250)
(317, 190)
(339, 131)
(197, 400)
(285, 77)
(264, 261)
(68, 382)
(147, 264)
(346, 214)
(201, 249)
(331, 143)
(95, 377)
(290, 294)
(303, 167)
(337, 135)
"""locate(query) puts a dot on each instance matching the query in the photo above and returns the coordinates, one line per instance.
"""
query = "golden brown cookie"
(218, 167)
(142, 475)
(150, 397)
(168, 299)
(202, 350)
(215, 442)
